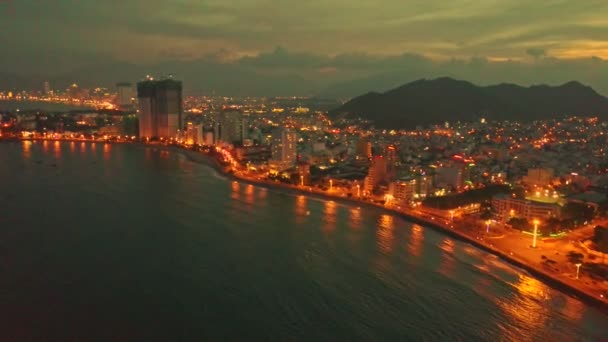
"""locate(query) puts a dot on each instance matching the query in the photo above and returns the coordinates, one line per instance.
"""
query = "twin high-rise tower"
(160, 108)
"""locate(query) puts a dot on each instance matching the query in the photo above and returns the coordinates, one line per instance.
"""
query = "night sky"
(323, 40)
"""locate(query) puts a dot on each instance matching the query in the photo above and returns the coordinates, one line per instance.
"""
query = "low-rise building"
(403, 190)
(506, 206)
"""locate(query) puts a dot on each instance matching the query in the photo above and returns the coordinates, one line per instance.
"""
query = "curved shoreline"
(536, 272)
(548, 278)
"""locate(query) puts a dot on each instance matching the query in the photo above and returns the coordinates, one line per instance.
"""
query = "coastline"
(548, 278)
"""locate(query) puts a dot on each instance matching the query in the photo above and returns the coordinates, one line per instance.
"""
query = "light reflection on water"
(355, 217)
(572, 308)
(329, 216)
(385, 233)
(301, 208)
(263, 192)
(236, 188)
(399, 281)
(416, 240)
(527, 308)
(448, 261)
(57, 149)
(27, 148)
(107, 149)
(249, 194)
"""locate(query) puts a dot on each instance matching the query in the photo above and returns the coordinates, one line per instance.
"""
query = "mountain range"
(424, 102)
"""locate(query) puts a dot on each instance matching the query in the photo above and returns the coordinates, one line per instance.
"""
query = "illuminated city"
(307, 193)
(508, 176)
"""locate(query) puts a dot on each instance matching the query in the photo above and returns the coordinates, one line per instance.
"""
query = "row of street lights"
(388, 198)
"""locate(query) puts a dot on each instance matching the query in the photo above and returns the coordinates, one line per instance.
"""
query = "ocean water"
(104, 242)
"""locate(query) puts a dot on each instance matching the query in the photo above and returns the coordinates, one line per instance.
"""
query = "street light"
(358, 190)
(302, 180)
(452, 215)
(488, 226)
(388, 198)
(578, 268)
(331, 184)
(536, 223)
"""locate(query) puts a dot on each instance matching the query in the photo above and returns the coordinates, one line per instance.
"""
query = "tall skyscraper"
(284, 142)
(46, 88)
(231, 128)
(160, 108)
(375, 174)
(125, 94)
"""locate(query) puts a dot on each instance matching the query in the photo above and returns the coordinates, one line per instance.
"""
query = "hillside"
(425, 102)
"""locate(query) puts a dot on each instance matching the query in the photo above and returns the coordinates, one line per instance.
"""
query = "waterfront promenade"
(513, 247)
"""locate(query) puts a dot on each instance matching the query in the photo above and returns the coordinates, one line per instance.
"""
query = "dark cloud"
(172, 54)
(536, 53)
(280, 57)
(321, 40)
(461, 28)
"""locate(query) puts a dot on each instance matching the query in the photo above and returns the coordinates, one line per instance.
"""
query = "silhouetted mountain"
(425, 102)
(379, 83)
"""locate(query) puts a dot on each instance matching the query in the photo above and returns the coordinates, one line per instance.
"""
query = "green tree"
(579, 212)
(545, 230)
(486, 214)
(552, 226)
(465, 198)
(600, 238)
(519, 223)
(575, 257)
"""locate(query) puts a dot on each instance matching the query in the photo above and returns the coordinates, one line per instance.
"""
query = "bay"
(106, 242)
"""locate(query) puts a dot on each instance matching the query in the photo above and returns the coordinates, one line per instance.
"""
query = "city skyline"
(315, 44)
(316, 170)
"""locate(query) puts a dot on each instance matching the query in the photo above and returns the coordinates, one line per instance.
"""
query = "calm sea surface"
(126, 243)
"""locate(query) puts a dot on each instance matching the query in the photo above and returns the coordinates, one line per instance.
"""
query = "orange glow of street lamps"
(536, 223)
